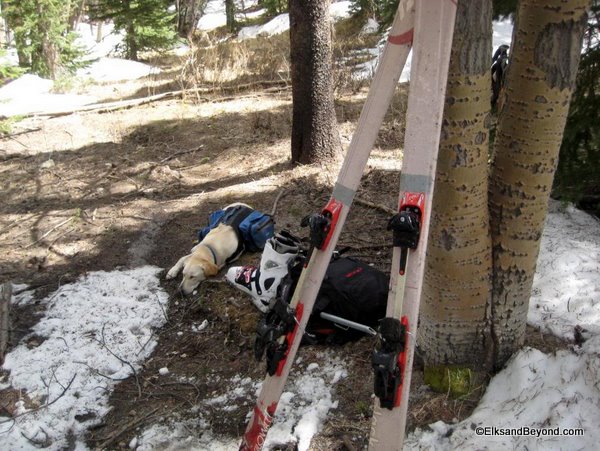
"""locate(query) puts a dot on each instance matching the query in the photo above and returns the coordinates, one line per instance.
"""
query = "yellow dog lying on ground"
(207, 257)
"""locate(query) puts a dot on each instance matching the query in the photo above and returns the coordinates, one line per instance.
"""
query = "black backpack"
(351, 289)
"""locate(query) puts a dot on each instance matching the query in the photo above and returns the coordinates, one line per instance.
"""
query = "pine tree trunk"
(188, 16)
(77, 14)
(230, 14)
(131, 43)
(453, 323)
(540, 80)
(314, 126)
(44, 58)
(13, 22)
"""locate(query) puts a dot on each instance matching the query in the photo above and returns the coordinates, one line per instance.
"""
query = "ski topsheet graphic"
(282, 335)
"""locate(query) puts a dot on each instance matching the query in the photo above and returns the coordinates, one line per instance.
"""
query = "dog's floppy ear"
(210, 269)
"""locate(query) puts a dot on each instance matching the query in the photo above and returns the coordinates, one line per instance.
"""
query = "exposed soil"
(91, 192)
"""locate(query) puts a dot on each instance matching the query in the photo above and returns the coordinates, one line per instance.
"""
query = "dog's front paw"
(172, 273)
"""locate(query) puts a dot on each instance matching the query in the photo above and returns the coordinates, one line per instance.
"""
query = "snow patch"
(116, 69)
(566, 286)
(306, 403)
(535, 390)
(281, 23)
(91, 332)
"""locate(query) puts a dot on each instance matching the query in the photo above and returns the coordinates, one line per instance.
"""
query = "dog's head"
(195, 270)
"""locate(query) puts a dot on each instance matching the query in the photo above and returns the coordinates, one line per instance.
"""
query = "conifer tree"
(42, 37)
(147, 24)
(382, 10)
(578, 174)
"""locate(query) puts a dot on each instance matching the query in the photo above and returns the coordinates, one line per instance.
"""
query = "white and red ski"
(393, 356)
(291, 321)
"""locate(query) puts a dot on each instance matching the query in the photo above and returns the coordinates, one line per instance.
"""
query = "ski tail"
(393, 355)
(286, 329)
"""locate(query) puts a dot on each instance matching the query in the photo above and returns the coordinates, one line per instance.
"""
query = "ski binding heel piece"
(388, 360)
(322, 224)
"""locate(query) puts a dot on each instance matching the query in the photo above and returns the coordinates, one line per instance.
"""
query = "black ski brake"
(279, 322)
(387, 360)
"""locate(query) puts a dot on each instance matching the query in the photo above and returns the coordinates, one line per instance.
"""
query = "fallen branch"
(368, 246)
(38, 443)
(123, 361)
(126, 427)
(107, 107)
(274, 209)
(95, 371)
(23, 132)
(366, 203)
(49, 232)
(14, 223)
(183, 152)
(45, 405)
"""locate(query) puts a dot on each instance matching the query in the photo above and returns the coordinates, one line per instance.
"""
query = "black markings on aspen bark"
(557, 50)
(447, 240)
(461, 156)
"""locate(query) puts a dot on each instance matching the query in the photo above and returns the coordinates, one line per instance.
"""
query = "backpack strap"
(233, 217)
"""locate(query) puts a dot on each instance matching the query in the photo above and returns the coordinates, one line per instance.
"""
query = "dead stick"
(49, 232)
(183, 152)
(274, 209)
(123, 361)
(362, 247)
(129, 425)
(366, 203)
(14, 223)
(10, 135)
(45, 405)
(112, 106)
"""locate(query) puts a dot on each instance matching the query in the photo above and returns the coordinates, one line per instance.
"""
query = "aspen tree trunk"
(453, 322)
(541, 77)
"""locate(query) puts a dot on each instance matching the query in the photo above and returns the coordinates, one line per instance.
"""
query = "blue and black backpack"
(253, 227)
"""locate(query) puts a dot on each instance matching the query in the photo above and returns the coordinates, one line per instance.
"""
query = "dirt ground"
(90, 191)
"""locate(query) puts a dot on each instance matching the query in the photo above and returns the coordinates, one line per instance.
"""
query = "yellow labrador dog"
(207, 257)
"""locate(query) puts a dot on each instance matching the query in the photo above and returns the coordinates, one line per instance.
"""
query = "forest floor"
(88, 192)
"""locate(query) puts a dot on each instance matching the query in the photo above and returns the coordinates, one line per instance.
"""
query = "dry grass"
(222, 62)
(232, 62)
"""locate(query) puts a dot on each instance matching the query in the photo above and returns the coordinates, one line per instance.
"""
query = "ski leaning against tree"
(430, 24)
